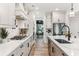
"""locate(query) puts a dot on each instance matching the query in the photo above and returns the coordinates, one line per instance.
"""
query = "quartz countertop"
(69, 49)
(7, 48)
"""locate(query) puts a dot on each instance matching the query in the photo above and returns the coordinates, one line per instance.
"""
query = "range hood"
(20, 12)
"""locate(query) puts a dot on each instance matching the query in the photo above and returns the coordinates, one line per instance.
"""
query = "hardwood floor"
(40, 48)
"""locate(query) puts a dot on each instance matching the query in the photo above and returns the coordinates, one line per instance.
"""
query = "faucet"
(69, 35)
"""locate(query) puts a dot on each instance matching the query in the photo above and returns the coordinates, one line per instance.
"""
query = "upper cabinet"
(21, 13)
(48, 20)
(7, 14)
(58, 16)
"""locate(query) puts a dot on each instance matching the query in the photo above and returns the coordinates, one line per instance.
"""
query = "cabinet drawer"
(25, 49)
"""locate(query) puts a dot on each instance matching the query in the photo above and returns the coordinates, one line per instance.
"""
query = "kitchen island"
(71, 49)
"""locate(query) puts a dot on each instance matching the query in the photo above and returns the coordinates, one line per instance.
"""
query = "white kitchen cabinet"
(24, 49)
(11, 14)
(31, 45)
(20, 51)
(27, 46)
(21, 14)
(31, 42)
(49, 20)
(16, 52)
(7, 14)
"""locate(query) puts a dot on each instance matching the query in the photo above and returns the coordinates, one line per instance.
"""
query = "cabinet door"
(56, 51)
(4, 13)
(52, 50)
(7, 14)
(16, 52)
(25, 48)
(49, 47)
(11, 14)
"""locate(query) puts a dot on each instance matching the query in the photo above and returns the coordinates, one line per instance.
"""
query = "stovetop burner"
(18, 37)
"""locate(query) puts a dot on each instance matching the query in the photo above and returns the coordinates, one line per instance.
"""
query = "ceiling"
(47, 7)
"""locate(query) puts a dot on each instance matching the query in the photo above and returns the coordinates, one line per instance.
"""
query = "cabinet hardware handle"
(21, 54)
(52, 49)
(12, 55)
(28, 44)
(64, 54)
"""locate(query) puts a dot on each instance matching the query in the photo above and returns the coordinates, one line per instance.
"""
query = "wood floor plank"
(40, 48)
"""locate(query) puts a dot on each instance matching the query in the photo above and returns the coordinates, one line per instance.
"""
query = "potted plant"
(3, 34)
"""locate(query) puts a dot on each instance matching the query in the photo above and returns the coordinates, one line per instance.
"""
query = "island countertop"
(7, 48)
(69, 49)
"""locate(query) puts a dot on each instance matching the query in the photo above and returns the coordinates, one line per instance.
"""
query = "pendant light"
(72, 13)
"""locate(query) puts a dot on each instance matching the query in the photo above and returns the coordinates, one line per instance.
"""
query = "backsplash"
(12, 32)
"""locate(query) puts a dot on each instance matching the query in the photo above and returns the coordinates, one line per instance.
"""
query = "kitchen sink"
(62, 41)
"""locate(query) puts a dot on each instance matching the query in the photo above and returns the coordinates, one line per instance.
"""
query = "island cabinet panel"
(54, 50)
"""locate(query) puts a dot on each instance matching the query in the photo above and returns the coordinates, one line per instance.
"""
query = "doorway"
(39, 29)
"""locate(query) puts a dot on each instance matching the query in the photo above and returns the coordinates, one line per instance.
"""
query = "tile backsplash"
(12, 32)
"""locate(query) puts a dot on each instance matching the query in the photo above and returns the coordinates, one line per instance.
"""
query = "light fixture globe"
(72, 13)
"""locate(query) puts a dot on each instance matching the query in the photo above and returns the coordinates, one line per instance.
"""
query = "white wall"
(7, 14)
(48, 20)
(58, 17)
(74, 26)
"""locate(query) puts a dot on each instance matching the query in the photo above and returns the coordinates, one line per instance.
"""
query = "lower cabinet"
(24, 49)
(16, 52)
(54, 50)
